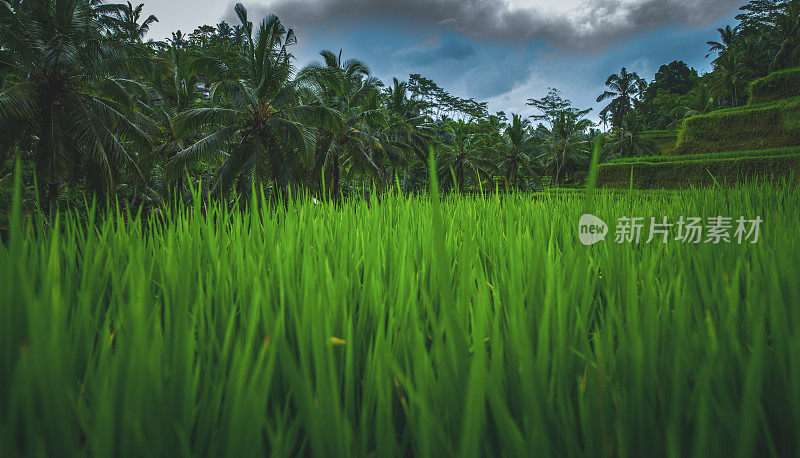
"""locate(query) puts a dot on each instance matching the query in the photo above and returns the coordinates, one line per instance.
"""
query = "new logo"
(591, 229)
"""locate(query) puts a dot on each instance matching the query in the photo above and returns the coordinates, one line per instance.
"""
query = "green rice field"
(402, 326)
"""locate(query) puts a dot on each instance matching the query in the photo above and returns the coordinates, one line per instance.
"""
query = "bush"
(776, 86)
(665, 139)
(758, 127)
(685, 172)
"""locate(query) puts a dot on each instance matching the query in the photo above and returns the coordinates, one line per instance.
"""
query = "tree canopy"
(91, 108)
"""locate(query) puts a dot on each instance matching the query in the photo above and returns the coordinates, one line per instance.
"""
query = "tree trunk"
(513, 173)
(52, 197)
(335, 184)
(52, 194)
(558, 172)
(319, 161)
(780, 57)
(560, 165)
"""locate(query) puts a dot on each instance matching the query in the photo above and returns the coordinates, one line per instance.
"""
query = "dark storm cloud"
(588, 24)
(448, 49)
(493, 80)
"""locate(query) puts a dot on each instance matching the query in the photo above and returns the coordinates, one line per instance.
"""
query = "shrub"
(776, 86)
(766, 126)
(665, 139)
(685, 172)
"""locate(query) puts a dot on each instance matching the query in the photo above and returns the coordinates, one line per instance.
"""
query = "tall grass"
(401, 326)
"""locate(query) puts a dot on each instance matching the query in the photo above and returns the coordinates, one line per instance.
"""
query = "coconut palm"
(629, 141)
(348, 88)
(408, 131)
(625, 89)
(464, 159)
(179, 40)
(175, 86)
(787, 28)
(519, 150)
(729, 79)
(604, 118)
(407, 136)
(727, 38)
(698, 101)
(568, 149)
(257, 122)
(126, 22)
(65, 104)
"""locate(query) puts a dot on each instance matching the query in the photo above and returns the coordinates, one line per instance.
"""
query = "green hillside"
(678, 172)
(784, 84)
(771, 125)
(760, 140)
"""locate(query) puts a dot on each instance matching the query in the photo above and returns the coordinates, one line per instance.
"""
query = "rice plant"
(401, 326)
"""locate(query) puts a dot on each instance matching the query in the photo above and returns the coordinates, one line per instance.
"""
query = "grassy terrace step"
(665, 139)
(769, 125)
(669, 172)
(790, 150)
(776, 86)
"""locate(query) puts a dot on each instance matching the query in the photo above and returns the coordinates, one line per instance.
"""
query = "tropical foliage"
(94, 110)
(98, 110)
(763, 40)
(70, 105)
(206, 250)
(625, 89)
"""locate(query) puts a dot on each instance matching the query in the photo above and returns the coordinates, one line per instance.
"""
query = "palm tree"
(348, 88)
(698, 101)
(625, 88)
(407, 136)
(518, 152)
(750, 51)
(65, 105)
(728, 79)
(568, 149)
(604, 117)
(408, 131)
(126, 22)
(727, 38)
(257, 122)
(175, 85)
(462, 159)
(629, 141)
(179, 40)
(788, 25)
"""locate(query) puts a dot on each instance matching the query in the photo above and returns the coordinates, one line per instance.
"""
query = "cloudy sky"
(499, 51)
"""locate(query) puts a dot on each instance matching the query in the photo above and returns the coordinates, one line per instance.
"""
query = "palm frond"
(205, 147)
(198, 119)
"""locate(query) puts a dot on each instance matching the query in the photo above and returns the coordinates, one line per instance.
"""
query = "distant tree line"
(91, 109)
